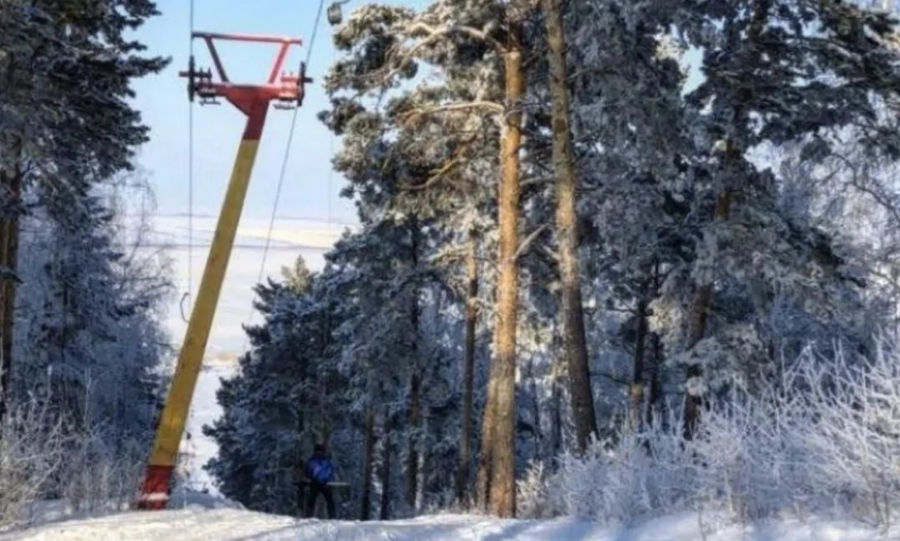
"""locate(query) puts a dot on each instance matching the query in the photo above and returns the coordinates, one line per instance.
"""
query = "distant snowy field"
(290, 238)
(208, 521)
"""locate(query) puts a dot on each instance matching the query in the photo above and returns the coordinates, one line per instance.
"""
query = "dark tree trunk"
(567, 231)
(535, 411)
(697, 319)
(385, 513)
(640, 338)
(655, 403)
(415, 385)
(11, 182)
(365, 507)
(412, 464)
(465, 440)
(557, 410)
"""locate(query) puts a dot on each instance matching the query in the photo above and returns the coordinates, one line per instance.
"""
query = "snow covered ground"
(290, 237)
(211, 522)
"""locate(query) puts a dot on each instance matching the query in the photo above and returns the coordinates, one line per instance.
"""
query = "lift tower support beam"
(286, 91)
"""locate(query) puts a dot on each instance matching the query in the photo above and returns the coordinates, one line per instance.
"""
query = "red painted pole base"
(156, 488)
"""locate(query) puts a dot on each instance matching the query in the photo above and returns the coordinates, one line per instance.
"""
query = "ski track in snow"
(194, 524)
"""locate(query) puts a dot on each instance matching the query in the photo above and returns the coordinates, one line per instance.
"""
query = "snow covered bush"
(532, 495)
(852, 434)
(823, 437)
(640, 474)
(43, 456)
(30, 459)
(99, 476)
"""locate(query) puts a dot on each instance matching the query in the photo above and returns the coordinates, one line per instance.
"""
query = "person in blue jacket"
(319, 472)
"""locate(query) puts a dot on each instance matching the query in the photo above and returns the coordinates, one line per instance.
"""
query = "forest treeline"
(613, 258)
(82, 351)
(582, 224)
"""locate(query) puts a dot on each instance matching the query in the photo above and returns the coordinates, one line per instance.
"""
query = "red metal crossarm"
(287, 88)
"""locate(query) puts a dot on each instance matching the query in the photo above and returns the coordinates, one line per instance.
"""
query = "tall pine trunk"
(697, 319)
(365, 507)
(465, 438)
(11, 183)
(574, 339)
(415, 386)
(502, 427)
(485, 461)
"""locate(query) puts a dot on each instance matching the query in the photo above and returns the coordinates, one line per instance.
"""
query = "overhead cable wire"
(189, 295)
(285, 161)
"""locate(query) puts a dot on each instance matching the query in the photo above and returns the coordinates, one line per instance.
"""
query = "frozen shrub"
(532, 495)
(851, 433)
(102, 477)
(30, 459)
(824, 436)
(42, 458)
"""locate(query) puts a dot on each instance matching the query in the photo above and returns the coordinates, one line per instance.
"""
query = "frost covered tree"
(775, 72)
(81, 293)
(574, 338)
(274, 400)
(65, 124)
(88, 327)
(403, 37)
(701, 201)
(443, 142)
(393, 253)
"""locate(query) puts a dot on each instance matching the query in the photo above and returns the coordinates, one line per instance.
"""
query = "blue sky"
(163, 102)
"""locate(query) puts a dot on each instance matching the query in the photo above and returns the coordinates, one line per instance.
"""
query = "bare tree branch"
(526, 244)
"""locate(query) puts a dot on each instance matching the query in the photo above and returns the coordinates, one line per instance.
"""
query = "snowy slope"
(197, 524)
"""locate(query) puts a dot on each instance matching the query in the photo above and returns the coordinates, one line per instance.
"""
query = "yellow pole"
(155, 492)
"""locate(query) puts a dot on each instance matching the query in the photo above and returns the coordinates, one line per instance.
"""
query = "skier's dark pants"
(313, 490)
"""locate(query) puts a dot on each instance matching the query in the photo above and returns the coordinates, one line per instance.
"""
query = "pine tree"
(68, 126)
(762, 86)
(274, 399)
(441, 140)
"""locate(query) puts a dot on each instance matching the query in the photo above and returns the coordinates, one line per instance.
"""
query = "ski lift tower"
(285, 91)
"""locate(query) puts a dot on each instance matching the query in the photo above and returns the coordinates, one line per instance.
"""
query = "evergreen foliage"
(724, 152)
(81, 295)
